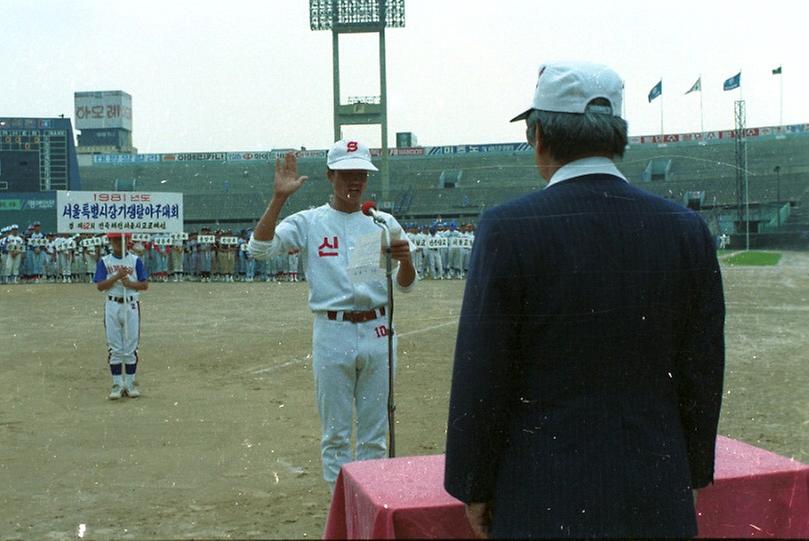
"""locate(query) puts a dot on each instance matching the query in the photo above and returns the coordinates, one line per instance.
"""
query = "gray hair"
(570, 136)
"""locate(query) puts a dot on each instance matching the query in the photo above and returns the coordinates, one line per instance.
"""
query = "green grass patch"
(752, 258)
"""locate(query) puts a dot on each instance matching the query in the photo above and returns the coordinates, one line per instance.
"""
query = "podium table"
(756, 493)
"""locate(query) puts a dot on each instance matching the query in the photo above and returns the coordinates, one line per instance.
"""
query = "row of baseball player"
(13, 248)
(70, 259)
(442, 252)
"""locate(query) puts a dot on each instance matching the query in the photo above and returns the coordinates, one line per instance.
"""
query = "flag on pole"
(777, 71)
(656, 91)
(733, 82)
(696, 87)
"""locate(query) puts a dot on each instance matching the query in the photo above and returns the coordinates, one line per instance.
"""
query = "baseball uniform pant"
(65, 260)
(12, 265)
(176, 261)
(122, 326)
(418, 262)
(434, 264)
(455, 261)
(350, 364)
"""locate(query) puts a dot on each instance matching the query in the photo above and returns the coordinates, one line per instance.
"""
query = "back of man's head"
(577, 109)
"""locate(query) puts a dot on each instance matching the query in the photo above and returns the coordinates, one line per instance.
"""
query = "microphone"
(369, 209)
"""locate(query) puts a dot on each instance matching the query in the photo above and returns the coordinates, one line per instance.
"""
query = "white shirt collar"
(586, 166)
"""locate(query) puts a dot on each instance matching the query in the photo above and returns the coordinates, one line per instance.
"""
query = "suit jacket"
(589, 364)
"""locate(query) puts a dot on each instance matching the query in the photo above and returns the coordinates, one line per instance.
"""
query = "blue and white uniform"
(432, 245)
(122, 316)
(14, 246)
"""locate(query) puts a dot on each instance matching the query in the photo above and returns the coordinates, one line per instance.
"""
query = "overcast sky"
(251, 75)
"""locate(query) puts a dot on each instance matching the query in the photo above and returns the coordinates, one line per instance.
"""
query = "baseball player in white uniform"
(454, 258)
(292, 264)
(64, 256)
(14, 248)
(90, 255)
(467, 241)
(432, 245)
(4, 233)
(122, 278)
(417, 239)
(349, 335)
(37, 236)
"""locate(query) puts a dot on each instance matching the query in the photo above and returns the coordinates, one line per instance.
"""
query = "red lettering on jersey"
(113, 269)
(352, 146)
(333, 246)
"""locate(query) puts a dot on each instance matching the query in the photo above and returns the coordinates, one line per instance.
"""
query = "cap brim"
(353, 163)
(521, 116)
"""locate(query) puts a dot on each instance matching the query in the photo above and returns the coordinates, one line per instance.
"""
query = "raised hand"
(287, 180)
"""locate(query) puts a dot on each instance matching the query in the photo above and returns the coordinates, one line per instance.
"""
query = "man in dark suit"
(590, 355)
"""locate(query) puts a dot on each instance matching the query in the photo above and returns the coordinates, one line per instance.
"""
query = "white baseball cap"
(346, 154)
(569, 87)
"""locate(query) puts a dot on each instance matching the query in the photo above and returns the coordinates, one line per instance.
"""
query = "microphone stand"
(389, 276)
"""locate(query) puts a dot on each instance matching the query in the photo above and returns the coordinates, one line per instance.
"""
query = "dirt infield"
(224, 441)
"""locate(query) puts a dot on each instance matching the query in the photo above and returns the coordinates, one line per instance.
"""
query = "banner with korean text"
(131, 212)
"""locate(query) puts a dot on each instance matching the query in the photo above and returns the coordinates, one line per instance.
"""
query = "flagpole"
(662, 132)
(781, 107)
(701, 117)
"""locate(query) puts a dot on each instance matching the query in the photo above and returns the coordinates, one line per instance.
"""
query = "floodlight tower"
(353, 17)
(742, 185)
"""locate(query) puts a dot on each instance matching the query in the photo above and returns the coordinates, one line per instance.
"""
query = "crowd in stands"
(33, 257)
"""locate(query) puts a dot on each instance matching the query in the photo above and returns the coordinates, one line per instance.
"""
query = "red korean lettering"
(322, 249)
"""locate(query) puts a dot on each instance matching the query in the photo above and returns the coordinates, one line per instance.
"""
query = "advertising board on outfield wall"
(133, 212)
(451, 150)
(718, 135)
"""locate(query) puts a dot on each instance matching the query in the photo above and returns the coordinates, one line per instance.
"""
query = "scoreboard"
(37, 155)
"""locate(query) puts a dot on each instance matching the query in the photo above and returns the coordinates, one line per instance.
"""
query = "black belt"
(120, 300)
(357, 317)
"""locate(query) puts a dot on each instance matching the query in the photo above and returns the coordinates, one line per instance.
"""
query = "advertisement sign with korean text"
(131, 212)
(102, 110)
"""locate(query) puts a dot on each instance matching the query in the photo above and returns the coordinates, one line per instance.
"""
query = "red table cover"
(756, 494)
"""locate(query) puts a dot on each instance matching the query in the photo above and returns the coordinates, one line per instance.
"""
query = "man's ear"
(330, 175)
(538, 139)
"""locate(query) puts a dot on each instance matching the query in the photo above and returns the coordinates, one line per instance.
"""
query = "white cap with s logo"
(345, 154)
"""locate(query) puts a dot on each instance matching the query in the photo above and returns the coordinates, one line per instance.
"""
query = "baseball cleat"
(116, 392)
(132, 391)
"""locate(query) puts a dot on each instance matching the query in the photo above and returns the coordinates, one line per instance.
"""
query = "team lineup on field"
(32, 256)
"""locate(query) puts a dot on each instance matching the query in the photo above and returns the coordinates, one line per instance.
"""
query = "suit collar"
(594, 165)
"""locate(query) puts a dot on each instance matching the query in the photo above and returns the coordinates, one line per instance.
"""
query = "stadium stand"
(235, 193)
